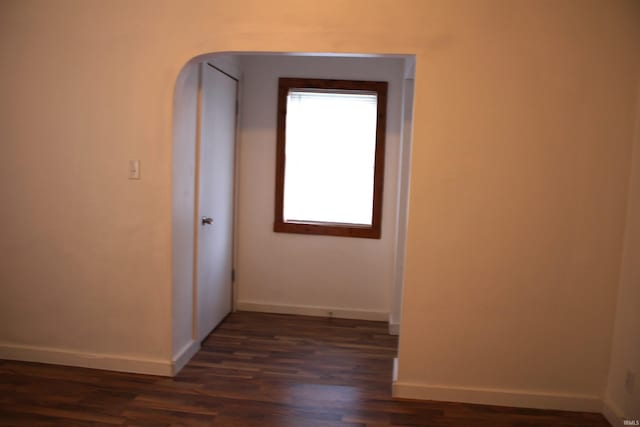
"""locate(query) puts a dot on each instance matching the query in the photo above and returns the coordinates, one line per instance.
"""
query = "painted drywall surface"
(85, 263)
(625, 355)
(302, 270)
(518, 186)
(522, 134)
(402, 205)
(183, 185)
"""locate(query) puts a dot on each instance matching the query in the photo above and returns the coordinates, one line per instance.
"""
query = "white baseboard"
(394, 374)
(183, 356)
(394, 328)
(109, 362)
(612, 413)
(517, 398)
(312, 310)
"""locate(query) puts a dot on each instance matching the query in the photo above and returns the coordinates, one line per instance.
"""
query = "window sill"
(328, 229)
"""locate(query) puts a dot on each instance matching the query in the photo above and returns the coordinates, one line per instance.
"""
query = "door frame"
(181, 309)
(182, 323)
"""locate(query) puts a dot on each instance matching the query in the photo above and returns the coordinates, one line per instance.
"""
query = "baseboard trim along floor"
(107, 362)
(312, 310)
(512, 398)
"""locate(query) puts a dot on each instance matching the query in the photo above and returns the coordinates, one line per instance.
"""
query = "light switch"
(134, 169)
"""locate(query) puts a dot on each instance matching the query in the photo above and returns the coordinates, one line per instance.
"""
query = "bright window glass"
(330, 157)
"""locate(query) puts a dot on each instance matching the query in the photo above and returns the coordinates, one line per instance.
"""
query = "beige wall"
(523, 131)
(84, 272)
(524, 125)
(625, 354)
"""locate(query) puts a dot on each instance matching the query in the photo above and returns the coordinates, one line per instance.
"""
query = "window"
(330, 157)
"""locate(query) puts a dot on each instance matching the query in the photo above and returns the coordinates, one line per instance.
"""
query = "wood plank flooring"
(255, 370)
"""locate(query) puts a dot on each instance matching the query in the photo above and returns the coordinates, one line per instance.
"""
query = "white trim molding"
(394, 328)
(516, 398)
(612, 413)
(312, 310)
(394, 374)
(184, 356)
(109, 362)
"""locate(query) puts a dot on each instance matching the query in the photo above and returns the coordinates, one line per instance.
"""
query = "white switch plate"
(134, 169)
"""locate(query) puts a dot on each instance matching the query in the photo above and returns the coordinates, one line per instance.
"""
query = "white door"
(215, 203)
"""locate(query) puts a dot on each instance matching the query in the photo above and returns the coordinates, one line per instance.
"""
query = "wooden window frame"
(372, 231)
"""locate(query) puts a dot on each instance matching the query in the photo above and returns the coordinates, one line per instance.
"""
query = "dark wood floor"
(254, 370)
